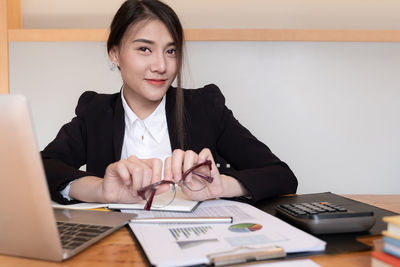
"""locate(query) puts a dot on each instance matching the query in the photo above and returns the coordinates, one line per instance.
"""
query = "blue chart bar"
(178, 233)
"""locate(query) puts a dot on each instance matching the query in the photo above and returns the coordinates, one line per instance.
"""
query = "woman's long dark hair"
(133, 11)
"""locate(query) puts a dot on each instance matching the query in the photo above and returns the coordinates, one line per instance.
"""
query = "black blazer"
(95, 136)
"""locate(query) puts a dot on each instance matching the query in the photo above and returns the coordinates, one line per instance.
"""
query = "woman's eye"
(171, 51)
(144, 49)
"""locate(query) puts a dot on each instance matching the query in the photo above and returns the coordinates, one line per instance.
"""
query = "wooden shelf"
(292, 35)
(99, 35)
(4, 68)
(57, 35)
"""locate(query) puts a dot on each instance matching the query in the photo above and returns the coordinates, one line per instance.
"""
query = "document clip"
(246, 254)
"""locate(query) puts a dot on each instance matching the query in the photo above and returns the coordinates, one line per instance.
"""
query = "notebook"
(29, 227)
(181, 203)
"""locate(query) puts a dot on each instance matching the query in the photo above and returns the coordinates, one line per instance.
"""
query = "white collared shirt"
(148, 138)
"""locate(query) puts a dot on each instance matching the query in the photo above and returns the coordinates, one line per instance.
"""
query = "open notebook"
(181, 204)
(29, 227)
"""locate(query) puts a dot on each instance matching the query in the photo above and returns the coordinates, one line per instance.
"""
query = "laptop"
(29, 227)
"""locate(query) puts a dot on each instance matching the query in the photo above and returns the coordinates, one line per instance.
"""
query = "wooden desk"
(119, 249)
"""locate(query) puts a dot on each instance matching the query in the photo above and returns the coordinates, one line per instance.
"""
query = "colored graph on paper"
(185, 233)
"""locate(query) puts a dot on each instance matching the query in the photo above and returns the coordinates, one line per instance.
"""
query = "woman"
(151, 130)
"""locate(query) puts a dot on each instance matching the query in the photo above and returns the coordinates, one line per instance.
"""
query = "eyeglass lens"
(163, 193)
(162, 196)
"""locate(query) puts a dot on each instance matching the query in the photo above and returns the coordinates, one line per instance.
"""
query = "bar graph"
(189, 232)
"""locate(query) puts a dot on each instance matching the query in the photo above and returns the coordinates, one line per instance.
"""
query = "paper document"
(189, 244)
(181, 203)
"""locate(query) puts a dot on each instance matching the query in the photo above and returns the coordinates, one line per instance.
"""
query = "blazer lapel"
(118, 128)
(170, 113)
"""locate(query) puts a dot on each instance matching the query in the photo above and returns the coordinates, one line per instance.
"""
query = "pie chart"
(245, 227)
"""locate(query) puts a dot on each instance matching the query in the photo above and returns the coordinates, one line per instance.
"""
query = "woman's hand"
(124, 178)
(181, 161)
(222, 185)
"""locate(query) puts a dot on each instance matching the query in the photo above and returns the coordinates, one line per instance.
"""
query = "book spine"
(389, 250)
(385, 258)
(391, 240)
(393, 229)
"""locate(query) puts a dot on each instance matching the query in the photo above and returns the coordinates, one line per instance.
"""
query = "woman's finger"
(156, 169)
(189, 161)
(205, 154)
(118, 170)
(168, 169)
(176, 164)
(137, 171)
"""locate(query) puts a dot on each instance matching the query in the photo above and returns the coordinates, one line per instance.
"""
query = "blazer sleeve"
(63, 157)
(253, 164)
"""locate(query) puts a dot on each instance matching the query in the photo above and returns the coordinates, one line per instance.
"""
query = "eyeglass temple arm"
(207, 162)
(149, 202)
(205, 177)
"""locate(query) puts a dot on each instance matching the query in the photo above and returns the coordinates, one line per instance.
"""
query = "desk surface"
(119, 249)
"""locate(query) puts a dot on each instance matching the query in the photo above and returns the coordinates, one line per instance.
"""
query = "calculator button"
(319, 205)
(329, 209)
(300, 212)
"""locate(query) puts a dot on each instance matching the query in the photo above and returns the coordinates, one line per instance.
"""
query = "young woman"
(151, 131)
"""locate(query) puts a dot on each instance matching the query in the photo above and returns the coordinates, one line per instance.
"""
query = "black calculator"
(326, 218)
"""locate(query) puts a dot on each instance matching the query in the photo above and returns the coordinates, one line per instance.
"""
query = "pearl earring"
(113, 66)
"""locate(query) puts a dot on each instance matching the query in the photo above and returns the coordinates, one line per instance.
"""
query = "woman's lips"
(156, 81)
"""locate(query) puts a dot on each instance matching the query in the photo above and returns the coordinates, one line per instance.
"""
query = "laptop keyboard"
(73, 234)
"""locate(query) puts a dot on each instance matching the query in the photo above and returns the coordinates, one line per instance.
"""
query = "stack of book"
(390, 254)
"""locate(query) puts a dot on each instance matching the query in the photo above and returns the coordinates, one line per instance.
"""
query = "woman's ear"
(113, 55)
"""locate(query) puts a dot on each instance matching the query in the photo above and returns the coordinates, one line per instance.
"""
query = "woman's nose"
(159, 63)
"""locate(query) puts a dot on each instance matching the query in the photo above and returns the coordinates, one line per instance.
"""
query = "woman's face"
(148, 62)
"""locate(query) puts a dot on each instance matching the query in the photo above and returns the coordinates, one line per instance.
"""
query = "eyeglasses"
(162, 193)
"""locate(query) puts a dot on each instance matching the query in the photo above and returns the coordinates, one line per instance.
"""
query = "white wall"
(330, 110)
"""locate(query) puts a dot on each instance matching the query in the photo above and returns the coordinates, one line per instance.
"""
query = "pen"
(225, 219)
